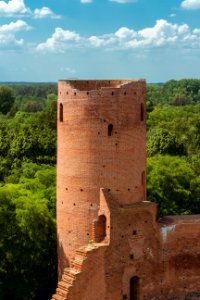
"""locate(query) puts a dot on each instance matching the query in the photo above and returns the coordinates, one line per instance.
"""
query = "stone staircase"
(71, 275)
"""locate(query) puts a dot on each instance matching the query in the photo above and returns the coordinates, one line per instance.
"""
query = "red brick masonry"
(110, 246)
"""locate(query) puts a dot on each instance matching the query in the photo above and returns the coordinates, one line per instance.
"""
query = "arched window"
(110, 129)
(61, 112)
(142, 112)
(100, 229)
(134, 288)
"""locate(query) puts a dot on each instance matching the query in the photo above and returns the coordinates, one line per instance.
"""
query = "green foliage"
(174, 130)
(6, 99)
(173, 183)
(27, 234)
(27, 137)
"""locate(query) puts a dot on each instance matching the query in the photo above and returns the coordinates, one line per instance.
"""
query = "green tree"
(172, 183)
(6, 99)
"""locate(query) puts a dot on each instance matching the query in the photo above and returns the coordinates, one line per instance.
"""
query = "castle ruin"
(110, 246)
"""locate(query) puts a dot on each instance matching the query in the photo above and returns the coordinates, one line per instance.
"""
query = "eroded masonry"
(110, 246)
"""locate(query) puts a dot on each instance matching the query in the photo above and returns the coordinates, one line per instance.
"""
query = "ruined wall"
(101, 143)
(181, 257)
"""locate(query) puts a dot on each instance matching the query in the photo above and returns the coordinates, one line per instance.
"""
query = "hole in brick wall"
(104, 166)
(81, 190)
(61, 112)
(122, 236)
(129, 224)
(134, 288)
(125, 93)
(146, 221)
(115, 132)
(74, 93)
(62, 202)
(143, 178)
(111, 227)
(110, 129)
(88, 234)
(109, 190)
(116, 144)
(134, 232)
(131, 256)
(100, 229)
(66, 189)
(98, 133)
(67, 93)
(135, 93)
(125, 297)
(74, 204)
(87, 93)
(104, 121)
(112, 93)
(141, 112)
(91, 204)
(129, 190)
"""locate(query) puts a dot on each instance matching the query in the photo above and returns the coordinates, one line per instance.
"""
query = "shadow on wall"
(62, 258)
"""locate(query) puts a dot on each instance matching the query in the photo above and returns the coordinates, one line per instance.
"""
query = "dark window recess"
(142, 112)
(100, 229)
(61, 112)
(134, 288)
(110, 129)
(143, 178)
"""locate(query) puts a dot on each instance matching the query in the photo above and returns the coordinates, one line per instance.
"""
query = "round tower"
(101, 144)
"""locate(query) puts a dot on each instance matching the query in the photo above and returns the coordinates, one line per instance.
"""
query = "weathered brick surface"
(107, 231)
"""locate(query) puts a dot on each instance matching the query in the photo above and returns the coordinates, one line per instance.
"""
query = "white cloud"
(8, 34)
(191, 4)
(60, 40)
(13, 7)
(86, 1)
(161, 34)
(123, 1)
(44, 12)
(16, 8)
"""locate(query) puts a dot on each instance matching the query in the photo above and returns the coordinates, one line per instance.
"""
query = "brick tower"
(101, 144)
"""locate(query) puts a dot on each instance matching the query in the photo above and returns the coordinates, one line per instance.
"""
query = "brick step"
(64, 285)
(71, 272)
(68, 279)
(62, 292)
(57, 297)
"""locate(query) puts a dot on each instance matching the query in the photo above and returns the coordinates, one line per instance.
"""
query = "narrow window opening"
(134, 288)
(61, 112)
(110, 129)
(100, 229)
(142, 112)
(143, 178)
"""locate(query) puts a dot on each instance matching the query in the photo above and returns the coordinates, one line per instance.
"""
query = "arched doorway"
(134, 288)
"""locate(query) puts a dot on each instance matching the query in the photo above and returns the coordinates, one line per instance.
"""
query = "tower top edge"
(83, 85)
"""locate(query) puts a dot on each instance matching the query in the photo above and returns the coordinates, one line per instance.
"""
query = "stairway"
(71, 275)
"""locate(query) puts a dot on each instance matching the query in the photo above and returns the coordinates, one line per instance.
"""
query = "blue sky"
(91, 39)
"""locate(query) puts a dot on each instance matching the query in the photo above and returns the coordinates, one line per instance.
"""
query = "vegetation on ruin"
(27, 175)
